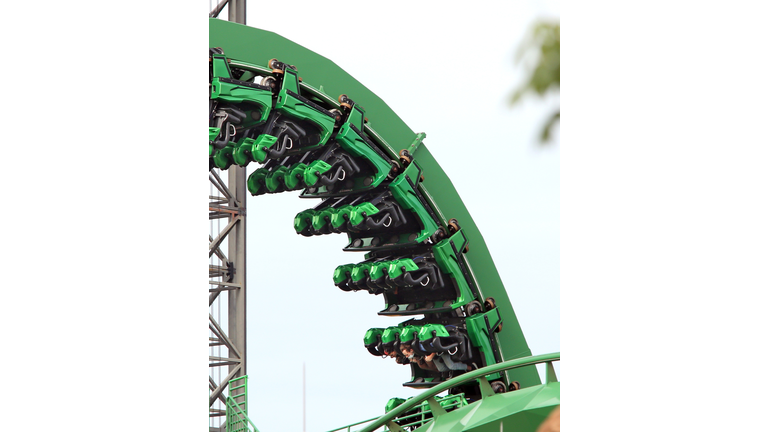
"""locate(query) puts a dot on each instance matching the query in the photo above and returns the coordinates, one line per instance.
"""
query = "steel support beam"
(237, 11)
(230, 205)
(238, 189)
(226, 273)
(215, 12)
(236, 254)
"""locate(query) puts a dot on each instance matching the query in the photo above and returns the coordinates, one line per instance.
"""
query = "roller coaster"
(372, 178)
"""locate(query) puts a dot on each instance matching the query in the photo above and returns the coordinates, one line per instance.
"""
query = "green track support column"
(551, 376)
(435, 407)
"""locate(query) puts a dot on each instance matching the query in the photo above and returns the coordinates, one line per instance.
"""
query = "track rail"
(388, 418)
(272, 104)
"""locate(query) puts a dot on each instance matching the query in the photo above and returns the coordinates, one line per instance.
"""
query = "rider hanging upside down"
(444, 362)
(420, 361)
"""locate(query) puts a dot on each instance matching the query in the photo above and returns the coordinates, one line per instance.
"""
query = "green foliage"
(544, 43)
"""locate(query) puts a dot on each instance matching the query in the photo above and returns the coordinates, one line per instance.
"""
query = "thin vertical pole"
(237, 11)
(304, 394)
(236, 299)
(237, 246)
(237, 254)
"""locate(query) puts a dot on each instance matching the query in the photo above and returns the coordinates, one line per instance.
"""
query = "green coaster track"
(313, 128)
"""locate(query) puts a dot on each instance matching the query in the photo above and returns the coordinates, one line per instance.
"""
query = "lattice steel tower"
(226, 271)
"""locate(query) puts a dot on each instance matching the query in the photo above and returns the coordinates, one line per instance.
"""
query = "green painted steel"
(237, 406)
(255, 183)
(403, 190)
(222, 88)
(342, 273)
(427, 410)
(342, 214)
(248, 149)
(447, 257)
(295, 178)
(359, 272)
(484, 325)
(372, 336)
(409, 333)
(390, 334)
(530, 404)
(257, 47)
(402, 208)
(350, 139)
(519, 411)
(348, 428)
(360, 212)
(398, 267)
(313, 171)
(296, 108)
